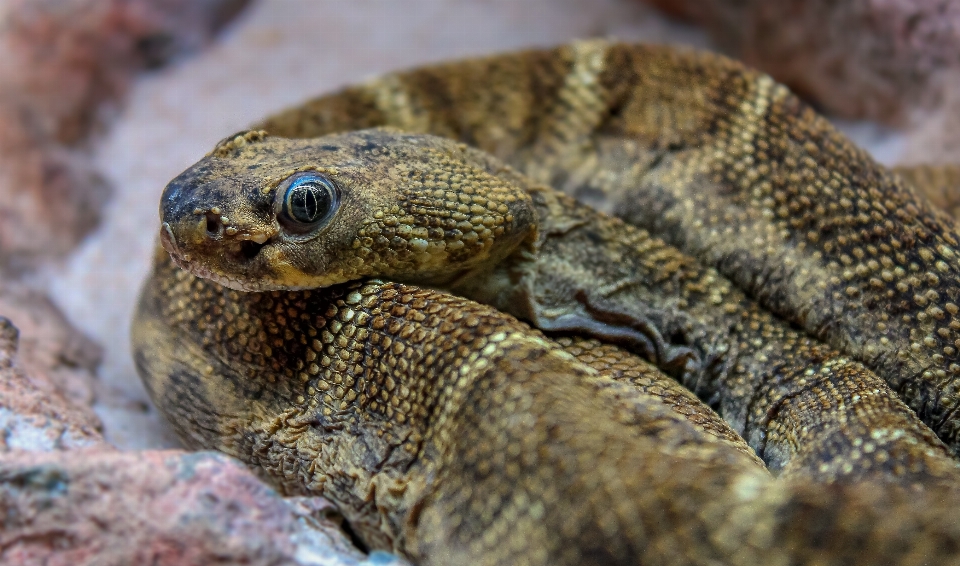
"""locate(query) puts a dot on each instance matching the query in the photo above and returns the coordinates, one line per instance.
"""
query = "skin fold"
(453, 434)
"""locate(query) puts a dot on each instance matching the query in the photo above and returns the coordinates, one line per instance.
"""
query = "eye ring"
(306, 201)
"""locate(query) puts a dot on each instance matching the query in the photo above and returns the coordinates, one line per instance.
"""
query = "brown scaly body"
(428, 210)
(593, 119)
(722, 162)
(451, 433)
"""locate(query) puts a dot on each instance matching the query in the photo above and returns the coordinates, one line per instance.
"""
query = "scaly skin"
(723, 163)
(407, 200)
(453, 434)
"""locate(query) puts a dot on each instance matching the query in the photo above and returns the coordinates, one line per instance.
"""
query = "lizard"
(384, 204)
(840, 508)
(452, 433)
(720, 161)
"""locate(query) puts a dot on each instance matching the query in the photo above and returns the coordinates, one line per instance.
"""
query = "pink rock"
(46, 376)
(104, 507)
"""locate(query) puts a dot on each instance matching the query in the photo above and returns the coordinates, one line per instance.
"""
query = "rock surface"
(63, 64)
(99, 506)
(46, 376)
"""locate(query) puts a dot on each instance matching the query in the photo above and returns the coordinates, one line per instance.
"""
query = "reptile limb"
(453, 434)
(725, 164)
(535, 253)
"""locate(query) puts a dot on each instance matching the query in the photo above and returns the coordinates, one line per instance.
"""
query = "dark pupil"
(308, 202)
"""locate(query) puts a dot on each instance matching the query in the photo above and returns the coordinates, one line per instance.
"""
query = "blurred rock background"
(103, 101)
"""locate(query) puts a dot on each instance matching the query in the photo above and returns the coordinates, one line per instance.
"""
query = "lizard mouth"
(235, 283)
(239, 253)
(169, 242)
(245, 250)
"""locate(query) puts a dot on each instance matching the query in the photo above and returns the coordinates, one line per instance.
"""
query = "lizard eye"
(307, 202)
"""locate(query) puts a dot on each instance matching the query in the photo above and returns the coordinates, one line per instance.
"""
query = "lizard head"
(264, 213)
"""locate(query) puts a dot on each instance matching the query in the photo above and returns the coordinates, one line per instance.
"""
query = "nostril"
(214, 226)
